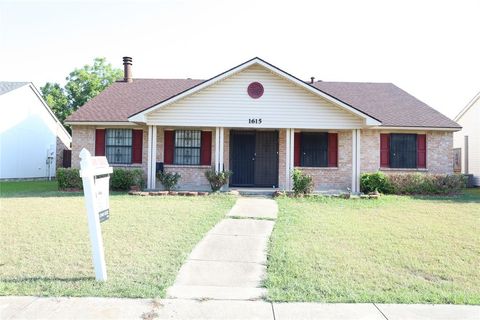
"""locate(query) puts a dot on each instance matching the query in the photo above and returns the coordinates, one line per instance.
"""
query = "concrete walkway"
(229, 262)
(111, 308)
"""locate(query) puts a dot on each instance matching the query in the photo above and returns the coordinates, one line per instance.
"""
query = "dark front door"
(254, 158)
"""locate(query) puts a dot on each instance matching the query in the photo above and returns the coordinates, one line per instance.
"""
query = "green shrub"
(302, 182)
(412, 183)
(217, 179)
(169, 179)
(417, 183)
(123, 179)
(69, 178)
(377, 181)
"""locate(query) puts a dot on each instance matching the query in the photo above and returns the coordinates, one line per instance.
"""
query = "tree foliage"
(82, 85)
(56, 98)
(85, 83)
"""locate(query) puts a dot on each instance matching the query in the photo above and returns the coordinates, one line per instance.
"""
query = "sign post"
(95, 173)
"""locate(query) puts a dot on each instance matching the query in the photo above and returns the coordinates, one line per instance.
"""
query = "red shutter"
(296, 149)
(332, 149)
(137, 146)
(421, 151)
(206, 148)
(384, 150)
(100, 142)
(169, 144)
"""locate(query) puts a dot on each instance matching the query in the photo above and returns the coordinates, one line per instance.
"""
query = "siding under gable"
(283, 105)
(470, 121)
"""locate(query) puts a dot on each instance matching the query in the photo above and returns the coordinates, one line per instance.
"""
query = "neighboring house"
(32, 139)
(468, 140)
(260, 122)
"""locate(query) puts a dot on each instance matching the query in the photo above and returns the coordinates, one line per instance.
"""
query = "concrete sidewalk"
(110, 308)
(229, 263)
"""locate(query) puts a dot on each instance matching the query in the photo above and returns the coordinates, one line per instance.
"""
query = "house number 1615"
(255, 121)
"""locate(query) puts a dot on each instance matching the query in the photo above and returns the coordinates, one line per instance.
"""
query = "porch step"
(215, 292)
(267, 192)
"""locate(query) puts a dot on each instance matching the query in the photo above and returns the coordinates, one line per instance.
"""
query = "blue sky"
(428, 48)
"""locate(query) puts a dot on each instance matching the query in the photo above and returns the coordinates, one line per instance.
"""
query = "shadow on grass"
(47, 279)
(51, 194)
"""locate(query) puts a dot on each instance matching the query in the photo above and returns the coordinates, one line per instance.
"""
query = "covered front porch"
(258, 158)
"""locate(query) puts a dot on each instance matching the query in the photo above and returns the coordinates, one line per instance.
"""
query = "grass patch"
(45, 248)
(10, 188)
(392, 250)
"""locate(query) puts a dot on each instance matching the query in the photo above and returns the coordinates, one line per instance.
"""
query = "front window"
(403, 150)
(119, 146)
(187, 147)
(314, 149)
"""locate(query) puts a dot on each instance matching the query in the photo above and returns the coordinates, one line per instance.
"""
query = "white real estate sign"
(95, 173)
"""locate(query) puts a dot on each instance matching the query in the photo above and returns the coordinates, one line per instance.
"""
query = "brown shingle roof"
(122, 99)
(383, 101)
(387, 103)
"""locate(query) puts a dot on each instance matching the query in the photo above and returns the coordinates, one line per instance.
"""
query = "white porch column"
(217, 149)
(221, 148)
(152, 156)
(149, 158)
(355, 160)
(358, 160)
(292, 157)
(287, 159)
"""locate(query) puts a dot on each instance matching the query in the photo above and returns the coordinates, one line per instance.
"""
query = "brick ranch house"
(261, 122)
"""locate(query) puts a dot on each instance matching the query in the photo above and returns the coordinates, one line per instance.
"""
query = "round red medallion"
(255, 90)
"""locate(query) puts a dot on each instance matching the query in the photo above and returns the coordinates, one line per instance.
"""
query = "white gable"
(28, 133)
(226, 103)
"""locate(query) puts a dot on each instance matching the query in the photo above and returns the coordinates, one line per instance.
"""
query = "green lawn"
(45, 249)
(16, 188)
(392, 250)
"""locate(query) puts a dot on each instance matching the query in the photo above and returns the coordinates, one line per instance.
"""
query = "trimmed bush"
(217, 179)
(378, 181)
(169, 179)
(302, 182)
(123, 179)
(412, 183)
(417, 183)
(69, 178)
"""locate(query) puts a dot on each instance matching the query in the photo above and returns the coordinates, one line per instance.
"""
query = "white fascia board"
(467, 107)
(416, 128)
(283, 126)
(39, 96)
(140, 117)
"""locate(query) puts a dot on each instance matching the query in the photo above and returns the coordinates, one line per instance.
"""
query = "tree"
(56, 98)
(82, 85)
(85, 83)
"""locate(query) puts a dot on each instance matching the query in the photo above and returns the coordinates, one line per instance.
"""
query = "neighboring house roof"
(387, 102)
(384, 102)
(467, 107)
(6, 86)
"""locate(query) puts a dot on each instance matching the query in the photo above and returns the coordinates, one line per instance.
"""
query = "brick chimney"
(127, 69)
